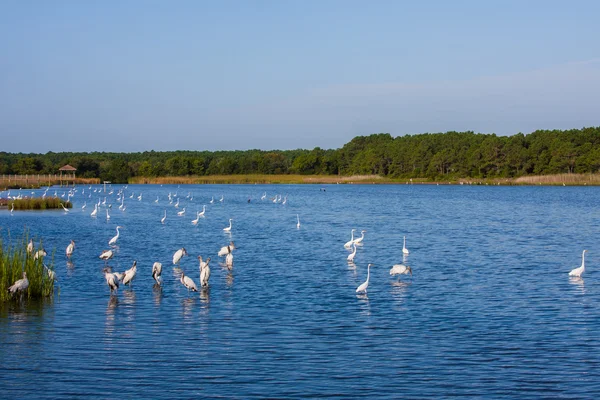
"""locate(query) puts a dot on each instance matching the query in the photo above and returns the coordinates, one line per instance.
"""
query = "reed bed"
(259, 178)
(560, 179)
(13, 261)
(38, 203)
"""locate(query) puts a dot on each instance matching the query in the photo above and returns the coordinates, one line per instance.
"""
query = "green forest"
(432, 156)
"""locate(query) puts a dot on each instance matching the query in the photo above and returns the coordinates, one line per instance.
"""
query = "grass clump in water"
(38, 203)
(16, 259)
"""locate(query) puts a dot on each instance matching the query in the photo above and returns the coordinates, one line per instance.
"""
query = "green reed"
(38, 203)
(13, 261)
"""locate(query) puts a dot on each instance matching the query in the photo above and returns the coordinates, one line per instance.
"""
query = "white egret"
(106, 255)
(264, 196)
(20, 285)
(298, 223)
(181, 213)
(111, 280)
(228, 229)
(579, 271)
(201, 214)
(404, 249)
(163, 219)
(353, 254)
(156, 271)
(64, 208)
(113, 241)
(400, 269)
(107, 215)
(39, 254)
(363, 287)
(178, 255)
(130, 274)
(177, 204)
(221, 199)
(30, 246)
(212, 199)
(93, 213)
(12, 208)
(70, 249)
(140, 197)
(226, 249)
(348, 245)
(188, 282)
(195, 221)
(83, 206)
(360, 239)
(156, 201)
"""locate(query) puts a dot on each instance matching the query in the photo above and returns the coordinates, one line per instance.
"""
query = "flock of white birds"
(113, 278)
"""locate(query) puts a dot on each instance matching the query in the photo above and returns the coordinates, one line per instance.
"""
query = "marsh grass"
(13, 261)
(38, 203)
(260, 179)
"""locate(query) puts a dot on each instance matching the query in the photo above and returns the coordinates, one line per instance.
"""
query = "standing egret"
(188, 283)
(298, 223)
(106, 255)
(162, 220)
(93, 213)
(204, 272)
(177, 204)
(353, 254)
(140, 197)
(400, 269)
(111, 280)
(579, 271)
(107, 215)
(70, 249)
(348, 245)
(228, 229)
(365, 285)
(20, 285)
(360, 239)
(156, 201)
(201, 214)
(195, 221)
(30, 246)
(182, 212)
(221, 199)
(130, 274)
(12, 208)
(212, 199)
(404, 249)
(226, 249)
(178, 255)
(264, 196)
(113, 241)
(83, 206)
(156, 271)
(64, 208)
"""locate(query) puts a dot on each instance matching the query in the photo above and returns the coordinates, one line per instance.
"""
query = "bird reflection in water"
(352, 267)
(229, 280)
(70, 268)
(157, 294)
(111, 308)
(188, 305)
(399, 289)
(578, 283)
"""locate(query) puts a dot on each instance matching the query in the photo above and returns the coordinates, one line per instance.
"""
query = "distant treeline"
(430, 155)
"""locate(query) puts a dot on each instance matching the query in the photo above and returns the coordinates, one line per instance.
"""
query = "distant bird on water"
(228, 229)
(404, 249)
(178, 255)
(579, 271)
(113, 241)
(188, 283)
(156, 271)
(70, 248)
(365, 285)
(20, 285)
(400, 269)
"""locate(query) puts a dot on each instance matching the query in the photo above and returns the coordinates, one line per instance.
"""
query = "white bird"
(156, 271)
(93, 214)
(404, 249)
(113, 241)
(348, 245)
(156, 201)
(162, 220)
(400, 269)
(111, 280)
(30, 246)
(264, 196)
(204, 272)
(201, 214)
(178, 255)
(70, 249)
(579, 271)
(228, 229)
(39, 254)
(20, 285)
(83, 206)
(177, 204)
(12, 208)
(363, 287)
(298, 223)
(119, 275)
(353, 254)
(188, 282)
(195, 221)
(64, 208)
(130, 274)
(226, 249)
(229, 260)
(140, 197)
(181, 213)
(51, 274)
(107, 215)
(221, 199)
(106, 255)
(212, 199)
(360, 239)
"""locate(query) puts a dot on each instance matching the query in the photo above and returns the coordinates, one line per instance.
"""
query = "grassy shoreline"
(545, 180)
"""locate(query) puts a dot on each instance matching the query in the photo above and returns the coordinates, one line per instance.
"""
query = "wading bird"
(229, 260)
(360, 239)
(39, 254)
(204, 272)
(348, 245)
(106, 255)
(20, 285)
(188, 283)
(228, 229)
(163, 219)
(113, 241)
(353, 254)
(64, 208)
(226, 249)
(130, 274)
(404, 249)
(178, 255)
(70, 249)
(111, 280)
(365, 285)
(579, 271)
(401, 269)
(156, 271)
(95, 212)
(181, 213)
(298, 223)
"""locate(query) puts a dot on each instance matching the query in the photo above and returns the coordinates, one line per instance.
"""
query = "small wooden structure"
(67, 173)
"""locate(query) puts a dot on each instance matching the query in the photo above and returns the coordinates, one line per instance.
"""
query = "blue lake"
(489, 312)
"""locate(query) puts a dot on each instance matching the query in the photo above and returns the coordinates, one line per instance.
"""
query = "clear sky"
(233, 75)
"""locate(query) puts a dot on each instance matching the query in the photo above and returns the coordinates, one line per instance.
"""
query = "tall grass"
(13, 261)
(38, 203)
(259, 178)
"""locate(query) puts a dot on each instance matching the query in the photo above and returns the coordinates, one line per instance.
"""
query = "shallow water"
(490, 311)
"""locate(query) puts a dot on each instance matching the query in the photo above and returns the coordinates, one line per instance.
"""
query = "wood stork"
(70, 249)
(20, 285)
(188, 283)
(178, 255)
(39, 254)
(226, 249)
(130, 274)
(156, 271)
(204, 272)
(363, 287)
(106, 255)
(400, 269)
(579, 271)
(111, 280)
(229, 260)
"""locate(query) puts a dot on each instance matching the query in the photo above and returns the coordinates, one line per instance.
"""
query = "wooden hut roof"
(67, 168)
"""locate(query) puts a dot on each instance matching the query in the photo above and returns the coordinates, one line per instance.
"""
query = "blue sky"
(235, 75)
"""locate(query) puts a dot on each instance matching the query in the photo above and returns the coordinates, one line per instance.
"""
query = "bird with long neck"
(577, 272)
(365, 285)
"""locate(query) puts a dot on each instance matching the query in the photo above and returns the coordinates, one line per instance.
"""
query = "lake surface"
(490, 311)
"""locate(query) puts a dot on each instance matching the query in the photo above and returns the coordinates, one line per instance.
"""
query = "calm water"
(490, 311)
